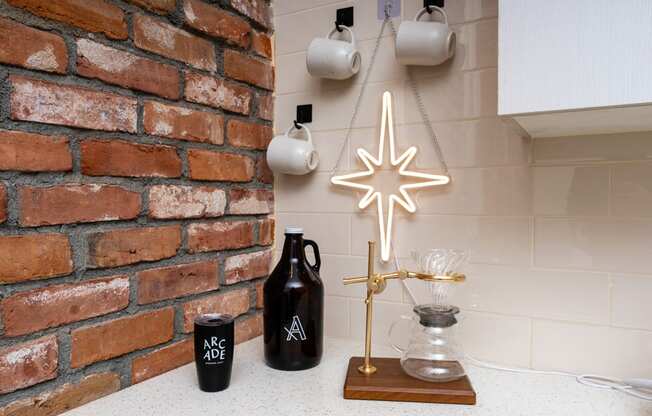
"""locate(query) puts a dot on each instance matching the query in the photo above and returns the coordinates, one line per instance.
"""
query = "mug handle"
(391, 330)
(308, 134)
(345, 28)
(435, 8)
(315, 249)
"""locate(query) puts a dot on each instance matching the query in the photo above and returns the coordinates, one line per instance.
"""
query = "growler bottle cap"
(293, 230)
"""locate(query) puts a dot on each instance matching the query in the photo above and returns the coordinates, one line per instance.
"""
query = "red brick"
(61, 304)
(259, 295)
(156, 6)
(182, 123)
(234, 303)
(132, 245)
(250, 201)
(29, 363)
(218, 236)
(3, 203)
(261, 44)
(161, 38)
(217, 93)
(174, 201)
(90, 15)
(162, 360)
(32, 48)
(264, 173)
(66, 397)
(121, 158)
(266, 107)
(248, 135)
(176, 281)
(114, 66)
(216, 22)
(257, 10)
(34, 256)
(253, 71)
(266, 231)
(65, 204)
(248, 328)
(30, 152)
(205, 165)
(121, 336)
(46, 102)
(247, 266)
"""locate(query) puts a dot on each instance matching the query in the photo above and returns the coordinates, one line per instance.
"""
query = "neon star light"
(371, 195)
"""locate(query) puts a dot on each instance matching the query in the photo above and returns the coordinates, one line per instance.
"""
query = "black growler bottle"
(294, 307)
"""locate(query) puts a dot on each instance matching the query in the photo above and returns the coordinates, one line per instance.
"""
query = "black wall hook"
(343, 17)
(428, 4)
(304, 115)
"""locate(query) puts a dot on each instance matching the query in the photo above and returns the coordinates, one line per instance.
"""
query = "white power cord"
(637, 387)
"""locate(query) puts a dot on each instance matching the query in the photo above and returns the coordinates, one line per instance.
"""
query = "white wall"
(560, 230)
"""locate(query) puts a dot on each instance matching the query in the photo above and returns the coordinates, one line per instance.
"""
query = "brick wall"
(133, 189)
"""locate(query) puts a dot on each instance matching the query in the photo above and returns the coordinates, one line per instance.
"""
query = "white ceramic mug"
(291, 155)
(332, 58)
(425, 43)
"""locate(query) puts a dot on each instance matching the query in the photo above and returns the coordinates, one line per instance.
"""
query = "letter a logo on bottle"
(295, 329)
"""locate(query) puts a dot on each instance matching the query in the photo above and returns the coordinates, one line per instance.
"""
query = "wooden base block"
(390, 383)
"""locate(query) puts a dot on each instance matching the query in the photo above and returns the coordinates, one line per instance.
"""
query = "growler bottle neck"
(293, 246)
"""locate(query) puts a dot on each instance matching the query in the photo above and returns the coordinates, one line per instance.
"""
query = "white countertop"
(258, 390)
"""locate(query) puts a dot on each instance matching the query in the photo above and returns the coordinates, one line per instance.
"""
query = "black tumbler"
(214, 336)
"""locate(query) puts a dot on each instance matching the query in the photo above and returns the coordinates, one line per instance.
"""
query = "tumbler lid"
(213, 319)
(438, 316)
(293, 230)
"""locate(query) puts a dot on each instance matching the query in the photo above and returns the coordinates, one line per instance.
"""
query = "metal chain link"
(358, 103)
(413, 86)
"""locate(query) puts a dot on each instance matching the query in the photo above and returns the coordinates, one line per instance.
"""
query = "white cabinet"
(574, 67)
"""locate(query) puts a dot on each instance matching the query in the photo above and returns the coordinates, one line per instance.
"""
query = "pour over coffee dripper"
(433, 353)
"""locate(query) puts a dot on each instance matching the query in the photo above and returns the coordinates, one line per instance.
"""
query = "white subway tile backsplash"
(332, 230)
(282, 7)
(602, 148)
(454, 95)
(605, 244)
(571, 190)
(336, 317)
(549, 294)
(591, 349)
(630, 301)
(489, 191)
(470, 143)
(385, 313)
(632, 190)
(311, 193)
(496, 338)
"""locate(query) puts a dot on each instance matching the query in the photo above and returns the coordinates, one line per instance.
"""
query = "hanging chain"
(415, 91)
(358, 102)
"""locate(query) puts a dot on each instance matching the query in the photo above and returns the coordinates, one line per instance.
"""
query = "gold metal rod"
(455, 277)
(367, 368)
(352, 280)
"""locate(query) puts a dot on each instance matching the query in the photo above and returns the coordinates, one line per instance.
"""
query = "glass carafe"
(432, 353)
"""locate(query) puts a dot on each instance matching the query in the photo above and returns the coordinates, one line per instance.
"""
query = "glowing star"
(403, 198)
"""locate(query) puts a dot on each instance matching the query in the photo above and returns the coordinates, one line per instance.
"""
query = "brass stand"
(376, 283)
(386, 380)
